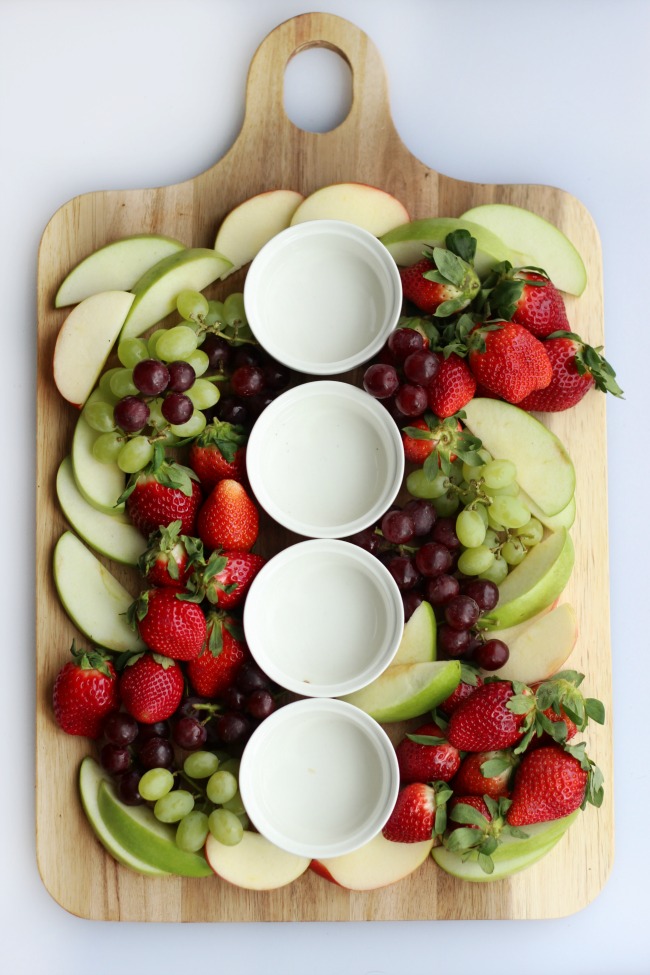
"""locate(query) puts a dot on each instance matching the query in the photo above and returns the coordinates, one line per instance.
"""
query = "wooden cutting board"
(271, 152)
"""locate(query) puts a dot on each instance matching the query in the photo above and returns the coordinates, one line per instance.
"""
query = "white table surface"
(136, 93)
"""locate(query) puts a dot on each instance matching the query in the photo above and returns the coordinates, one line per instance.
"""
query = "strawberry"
(528, 297)
(85, 692)
(508, 360)
(552, 782)
(226, 577)
(163, 492)
(228, 518)
(428, 435)
(417, 449)
(151, 687)
(419, 813)
(453, 387)
(576, 368)
(169, 622)
(216, 667)
(470, 679)
(426, 755)
(219, 452)
(484, 773)
(479, 824)
(441, 284)
(166, 560)
(495, 716)
(475, 801)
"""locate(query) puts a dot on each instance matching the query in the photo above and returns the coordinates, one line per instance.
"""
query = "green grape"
(132, 351)
(491, 539)
(105, 385)
(156, 419)
(176, 343)
(233, 308)
(467, 493)
(152, 342)
(215, 314)
(199, 362)
(419, 486)
(192, 831)
(496, 572)
(155, 783)
(492, 521)
(107, 447)
(173, 806)
(474, 561)
(200, 765)
(531, 533)
(192, 305)
(509, 491)
(122, 384)
(230, 765)
(470, 528)
(134, 455)
(244, 820)
(235, 804)
(221, 787)
(99, 416)
(513, 551)
(447, 504)
(225, 827)
(191, 428)
(471, 472)
(203, 394)
(509, 512)
(482, 511)
(499, 473)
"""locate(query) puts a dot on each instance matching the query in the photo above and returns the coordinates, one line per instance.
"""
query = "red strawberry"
(441, 286)
(169, 624)
(453, 387)
(422, 761)
(151, 687)
(469, 681)
(540, 307)
(487, 720)
(413, 818)
(476, 802)
(508, 360)
(228, 518)
(216, 667)
(166, 561)
(551, 783)
(227, 577)
(484, 773)
(418, 449)
(85, 692)
(428, 434)
(576, 368)
(218, 453)
(162, 493)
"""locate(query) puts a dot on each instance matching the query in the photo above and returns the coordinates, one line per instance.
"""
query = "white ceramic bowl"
(319, 778)
(322, 297)
(323, 618)
(325, 459)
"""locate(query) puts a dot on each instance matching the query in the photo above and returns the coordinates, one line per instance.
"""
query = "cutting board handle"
(369, 112)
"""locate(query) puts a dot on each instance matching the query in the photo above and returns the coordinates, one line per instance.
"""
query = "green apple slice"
(255, 863)
(512, 855)
(156, 291)
(538, 242)
(138, 831)
(91, 776)
(93, 598)
(408, 690)
(544, 469)
(112, 535)
(535, 583)
(100, 484)
(563, 519)
(418, 643)
(115, 267)
(407, 242)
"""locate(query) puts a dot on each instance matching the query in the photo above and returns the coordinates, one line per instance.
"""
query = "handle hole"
(317, 89)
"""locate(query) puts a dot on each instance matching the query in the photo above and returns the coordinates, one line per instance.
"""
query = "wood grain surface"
(271, 152)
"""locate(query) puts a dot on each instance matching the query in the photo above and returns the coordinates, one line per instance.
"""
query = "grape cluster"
(403, 375)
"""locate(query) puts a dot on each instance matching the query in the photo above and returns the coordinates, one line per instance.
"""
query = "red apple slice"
(366, 206)
(254, 863)
(538, 648)
(376, 864)
(253, 223)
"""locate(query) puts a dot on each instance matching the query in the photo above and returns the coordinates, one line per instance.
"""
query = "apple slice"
(115, 267)
(254, 863)
(535, 583)
(93, 598)
(112, 535)
(407, 242)
(540, 647)
(137, 830)
(253, 223)
(418, 643)
(376, 864)
(100, 484)
(91, 776)
(544, 469)
(407, 691)
(563, 519)
(512, 855)
(156, 291)
(366, 206)
(539, 243)
(84, 343)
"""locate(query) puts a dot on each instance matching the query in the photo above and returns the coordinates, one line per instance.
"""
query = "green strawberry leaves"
(93, 659)
(226, 437)
(589, 361)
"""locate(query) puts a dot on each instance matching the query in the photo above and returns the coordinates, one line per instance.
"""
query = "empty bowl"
(322, 297)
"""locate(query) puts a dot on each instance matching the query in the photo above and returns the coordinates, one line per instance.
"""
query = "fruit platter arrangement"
(150, 535)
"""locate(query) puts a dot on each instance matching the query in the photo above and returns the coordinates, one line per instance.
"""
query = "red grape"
(247, 380)
(397, 527)
(181, 376)
(120, 728)
(177, 408)
(115, 759)
(380, 380)
(411, 400)
(217, 349)
(421, 367)
(151, 377)
(484, 592)
(492, 654)
(423, 514)
(404, 341)
(432, 559)
(131, 413)
(403, 571)
(441, 589)
(462, 613)
(453, 643)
